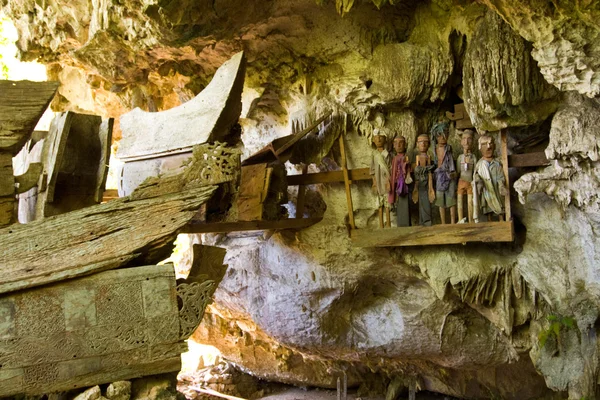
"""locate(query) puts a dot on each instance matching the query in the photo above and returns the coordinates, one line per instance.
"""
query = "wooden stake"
(347, 180)
(301, 195)
(504, 149)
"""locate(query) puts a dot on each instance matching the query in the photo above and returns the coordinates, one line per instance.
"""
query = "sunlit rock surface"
(482, 320)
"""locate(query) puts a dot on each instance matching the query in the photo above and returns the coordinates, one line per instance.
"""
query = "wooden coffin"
(159, 142)
(206, 118)
(75, 156)
(95, 239)
(111, 326)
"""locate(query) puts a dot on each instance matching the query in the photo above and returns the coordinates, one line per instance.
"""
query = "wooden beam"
(537, 159)
(347, 183)
(431, 235)
(504, 152)
(238, 226)
(362, 174)
(301, 195)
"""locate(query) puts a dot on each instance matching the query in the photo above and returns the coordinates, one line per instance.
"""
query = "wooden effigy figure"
(423, 193)
(489, 180)
(465, 164)
(401, 168)
(445, 173)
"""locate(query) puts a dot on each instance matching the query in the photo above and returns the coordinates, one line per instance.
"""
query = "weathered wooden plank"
(206, 118)
(56, 143)
(224, 227)
(280, 148)
(96, 238)
(22, 104)
(431, 235)
(301, 195)
(252, 189)
(537, 159)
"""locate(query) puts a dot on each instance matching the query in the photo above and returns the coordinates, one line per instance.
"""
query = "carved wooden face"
(487, 146)
(466, 141)
(379, 141)
(442, 139)
(400, 144)
(423, 144)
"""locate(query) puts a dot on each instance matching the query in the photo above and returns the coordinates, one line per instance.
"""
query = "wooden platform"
(437, 234)
(239, 226)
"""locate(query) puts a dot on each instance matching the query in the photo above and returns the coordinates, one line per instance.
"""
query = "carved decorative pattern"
(92, 330)
(194, 297)
(39, 315)
(213, 163)
(40, 375)
(119, 303)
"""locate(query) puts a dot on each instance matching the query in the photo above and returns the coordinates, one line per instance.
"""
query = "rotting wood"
(253, 191)
(225, 227)
(432, 235)
(96, 238)
(22, 104)
(111, 326)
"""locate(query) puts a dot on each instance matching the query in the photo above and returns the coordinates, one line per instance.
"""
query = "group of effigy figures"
(439, 179)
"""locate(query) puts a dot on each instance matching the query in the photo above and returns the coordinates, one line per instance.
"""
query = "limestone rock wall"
(565, 39)
(470, 321)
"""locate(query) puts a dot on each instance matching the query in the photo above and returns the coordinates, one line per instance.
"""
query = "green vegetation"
(557, 324)
(4, 42)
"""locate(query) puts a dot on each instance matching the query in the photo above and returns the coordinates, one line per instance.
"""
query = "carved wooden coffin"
(75, 164)
(111, 326)
(106, 236)
(157, 142)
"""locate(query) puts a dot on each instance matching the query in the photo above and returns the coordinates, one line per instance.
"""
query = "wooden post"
(301, 195)
(504, 150)
(347, 181)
